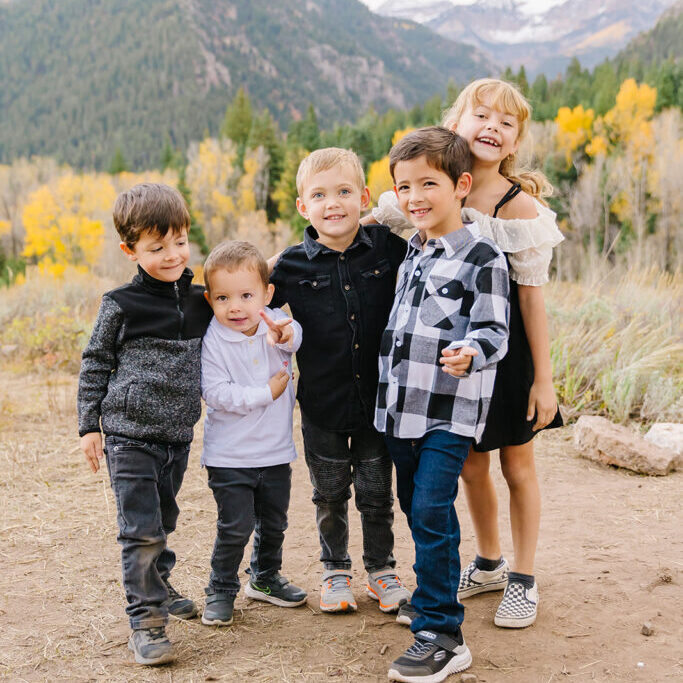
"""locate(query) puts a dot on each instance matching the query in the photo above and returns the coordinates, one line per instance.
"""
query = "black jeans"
(145, 478)
(335, 460)
(248, 499)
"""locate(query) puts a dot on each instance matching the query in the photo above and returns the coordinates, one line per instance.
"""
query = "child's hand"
(278, 382)
(91, 445)
(542, 403)
(279, 331)
(457, 362)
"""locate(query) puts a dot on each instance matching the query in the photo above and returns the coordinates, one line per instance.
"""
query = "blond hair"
(507, 98)
(233, 255)
(325, 159)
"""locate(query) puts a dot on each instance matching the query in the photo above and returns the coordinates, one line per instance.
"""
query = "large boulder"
(599, 439)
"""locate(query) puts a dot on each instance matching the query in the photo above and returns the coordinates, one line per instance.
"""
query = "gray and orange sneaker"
(385, 587)
(335, 591)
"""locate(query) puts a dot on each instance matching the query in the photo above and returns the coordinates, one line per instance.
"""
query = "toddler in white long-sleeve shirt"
(248, 445)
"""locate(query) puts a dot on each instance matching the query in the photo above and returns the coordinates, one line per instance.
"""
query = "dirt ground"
(609, 559)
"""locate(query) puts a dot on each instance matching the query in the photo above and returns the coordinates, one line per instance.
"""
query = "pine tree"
(264, 133)
(238, 120)
(196, 232)
(118, 162)
(522, 81)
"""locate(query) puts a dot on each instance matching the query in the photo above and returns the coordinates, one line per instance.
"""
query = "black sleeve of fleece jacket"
(99, 359)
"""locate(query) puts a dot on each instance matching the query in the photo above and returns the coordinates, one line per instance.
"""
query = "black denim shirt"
(342, 301)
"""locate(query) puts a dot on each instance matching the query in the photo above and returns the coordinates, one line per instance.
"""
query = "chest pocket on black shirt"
(378, 287)
(315, 295)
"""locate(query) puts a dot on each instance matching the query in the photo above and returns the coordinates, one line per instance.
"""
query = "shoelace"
(172, 592)
(418, 649)
(156, 633)
(338, 582)
(389, 581)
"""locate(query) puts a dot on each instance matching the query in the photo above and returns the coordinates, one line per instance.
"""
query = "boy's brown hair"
(445, 151)
(153, 207)
(325, 159)
(232, 255)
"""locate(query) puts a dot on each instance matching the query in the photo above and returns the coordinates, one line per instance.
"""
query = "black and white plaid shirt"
(450, 292)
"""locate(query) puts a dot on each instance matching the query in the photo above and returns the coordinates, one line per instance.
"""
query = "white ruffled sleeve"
(528, 243)
(388, 213)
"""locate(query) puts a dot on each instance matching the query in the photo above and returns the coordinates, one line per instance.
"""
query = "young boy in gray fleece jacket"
(140, 376)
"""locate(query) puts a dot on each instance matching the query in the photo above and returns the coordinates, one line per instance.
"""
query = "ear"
(127, 251)
(207, 296)
(301, 208)
(365, 198)
(463, 186)
(270, 290)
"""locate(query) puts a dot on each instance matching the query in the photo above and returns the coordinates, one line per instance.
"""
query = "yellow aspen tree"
(573, 129)
(64, 220)
(379, 177)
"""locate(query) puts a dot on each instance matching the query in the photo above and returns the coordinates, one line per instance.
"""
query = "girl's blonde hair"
(504, 97)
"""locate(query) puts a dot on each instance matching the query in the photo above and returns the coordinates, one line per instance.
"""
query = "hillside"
(79, 78)
(542, 36)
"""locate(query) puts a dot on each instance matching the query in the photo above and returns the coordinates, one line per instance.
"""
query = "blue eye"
(345, 191)
(317, 195)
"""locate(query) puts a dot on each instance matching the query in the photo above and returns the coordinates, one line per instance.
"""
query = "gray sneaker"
(276, 590)
(474, 580)
(385, 587)
(151, 646)
(218, 610)
(406, 613)
(178, 605)
(335, 591)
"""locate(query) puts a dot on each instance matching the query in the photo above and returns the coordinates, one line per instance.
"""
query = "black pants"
(248, 499)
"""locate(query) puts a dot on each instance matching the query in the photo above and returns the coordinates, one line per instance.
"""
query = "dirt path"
(610, 558)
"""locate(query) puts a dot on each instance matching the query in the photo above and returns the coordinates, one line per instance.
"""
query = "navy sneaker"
(219, 608)
(178, 605)
(151, 646)
(431, 658)
(277, 590)
(406, 613)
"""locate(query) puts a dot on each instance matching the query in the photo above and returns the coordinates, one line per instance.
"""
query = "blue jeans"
(248, 499)
(336, 460)
(145, 478)
(427, 471)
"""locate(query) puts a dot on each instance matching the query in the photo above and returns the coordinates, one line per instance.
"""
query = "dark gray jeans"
(248, 499)
(336, 460)
(145, 478)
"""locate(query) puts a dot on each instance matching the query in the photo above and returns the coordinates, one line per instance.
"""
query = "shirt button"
(376, 272)
(444, 290)
(357, 376)
(342, 257)
(417, 273)
(356, 346)
(255, 361)
(347, 287)
(398, 343)
(353, 316)
(315, 283)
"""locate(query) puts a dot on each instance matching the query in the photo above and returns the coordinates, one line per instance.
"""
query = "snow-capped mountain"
(541, 34)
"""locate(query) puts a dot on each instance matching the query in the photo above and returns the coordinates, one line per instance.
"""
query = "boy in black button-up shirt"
(339, 284)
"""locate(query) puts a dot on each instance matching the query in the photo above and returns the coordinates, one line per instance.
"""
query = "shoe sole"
(482, 588)
(511, 622)
(402, 619)
(164, 659)
(255, 594)
(216, 622)
(387, 609)
(185, 615)
(458, 663)
(342, 606)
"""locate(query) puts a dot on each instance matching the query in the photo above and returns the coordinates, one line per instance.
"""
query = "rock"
(468, 678)
(668, 435)
(599, 439)
(647, 629)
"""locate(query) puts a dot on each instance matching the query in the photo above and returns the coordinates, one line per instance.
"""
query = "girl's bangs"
(504, 97)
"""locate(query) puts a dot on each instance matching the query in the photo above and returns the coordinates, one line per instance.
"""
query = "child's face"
(491, 134)
(428, 196)
(164, 258)
(237, 297)
(332, 202)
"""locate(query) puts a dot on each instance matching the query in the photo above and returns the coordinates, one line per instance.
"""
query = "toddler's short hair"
(149, 206)
(232, 255)
(325, 159)
(445, 151)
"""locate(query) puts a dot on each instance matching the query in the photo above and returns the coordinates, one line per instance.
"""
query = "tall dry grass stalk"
(616, 344)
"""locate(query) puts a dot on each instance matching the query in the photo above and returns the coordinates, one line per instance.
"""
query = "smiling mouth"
(238, 321)
(419, 212)
(335, 217)
(488, 141)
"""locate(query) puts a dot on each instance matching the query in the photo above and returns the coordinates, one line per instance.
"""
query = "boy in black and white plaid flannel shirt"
(446, 332)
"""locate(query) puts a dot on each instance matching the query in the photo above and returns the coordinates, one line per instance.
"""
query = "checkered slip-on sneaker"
(474, 580)
(385, 587)
(335, 592)
(431, 658)
(518, 606)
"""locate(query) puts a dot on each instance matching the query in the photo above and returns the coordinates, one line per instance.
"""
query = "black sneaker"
(406, 613)
(151, 646)
(431, 658)
(276, 590)
(178, 605)
(219, 608)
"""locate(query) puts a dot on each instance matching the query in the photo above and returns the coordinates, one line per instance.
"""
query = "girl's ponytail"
(533, 182)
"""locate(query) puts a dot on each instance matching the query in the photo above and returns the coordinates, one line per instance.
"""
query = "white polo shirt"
(244, 427)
